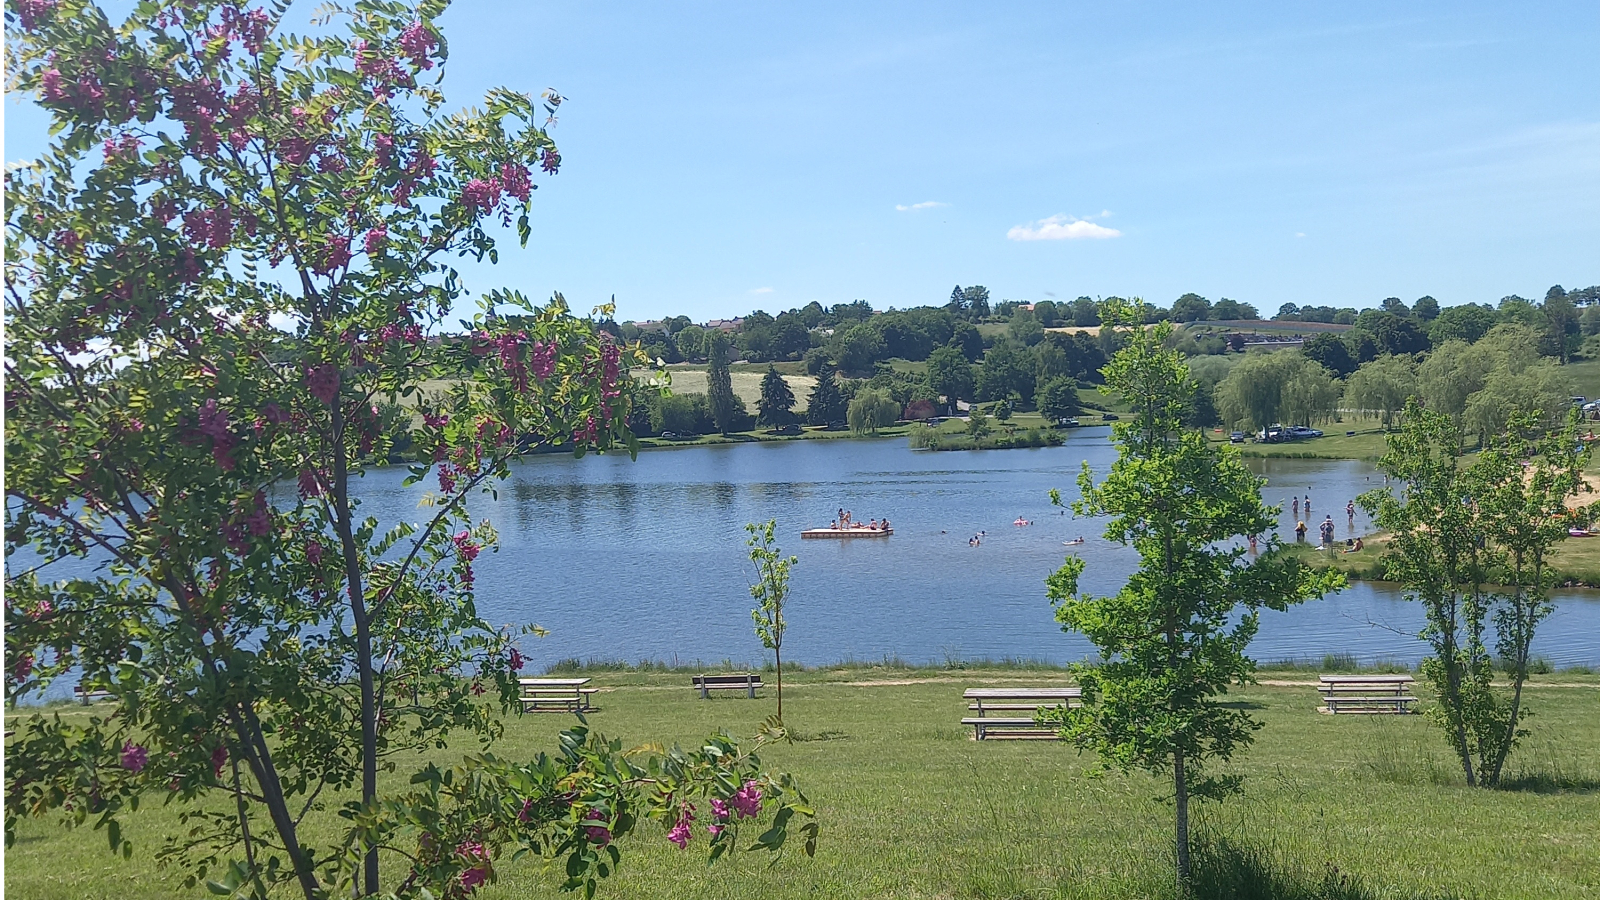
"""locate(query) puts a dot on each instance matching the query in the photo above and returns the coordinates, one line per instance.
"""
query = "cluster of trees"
(1481, 384)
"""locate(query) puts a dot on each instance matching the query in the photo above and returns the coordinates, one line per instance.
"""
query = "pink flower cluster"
(481, 195)
(29, 12)
(376, 238)
(381, 69)
(314, 553)
(323, 382)
(122, 149)
(134, 757)
(477, 859)
(588, 432)
(466, 548)
(335, 255)
(515, 181)
(249, 27)
(215, 424)
(435, 420)
(549, 161)
(516, 662)
(23, 667)
(212, 227)
(745, 803)
(310, 483)
(219, 758)
(681, 831)
(417, 42)
(597, 834)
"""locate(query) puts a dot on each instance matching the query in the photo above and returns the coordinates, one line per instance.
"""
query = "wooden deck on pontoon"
(846, 532)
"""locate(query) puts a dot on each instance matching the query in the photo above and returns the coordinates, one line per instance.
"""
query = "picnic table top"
(552, 682)
(1367, 679)
(1028, 693)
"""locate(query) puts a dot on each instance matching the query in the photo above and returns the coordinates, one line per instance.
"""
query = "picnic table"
(984, 701)
(555, 694)
(1371, 694)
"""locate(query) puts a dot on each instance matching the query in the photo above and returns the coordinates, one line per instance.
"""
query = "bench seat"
(1371, 694)
(749, 682)
(557, 699)
(1006, 728)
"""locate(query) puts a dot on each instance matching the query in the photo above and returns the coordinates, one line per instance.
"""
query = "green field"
(1367, 443)
(911, 807)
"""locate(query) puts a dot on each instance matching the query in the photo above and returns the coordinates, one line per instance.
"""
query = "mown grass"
(1367, 443)
(1343, 807)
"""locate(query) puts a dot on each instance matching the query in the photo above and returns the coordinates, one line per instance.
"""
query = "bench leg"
(704, 692)
(751, 684)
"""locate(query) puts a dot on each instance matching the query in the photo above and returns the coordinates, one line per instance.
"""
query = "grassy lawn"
(691, 379)
(911, 807)
(1366, 443)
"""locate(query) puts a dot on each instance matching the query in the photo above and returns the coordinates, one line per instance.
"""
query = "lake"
(646, 559)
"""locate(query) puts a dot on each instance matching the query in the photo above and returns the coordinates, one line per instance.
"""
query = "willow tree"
(1173, 639)
(229, 259)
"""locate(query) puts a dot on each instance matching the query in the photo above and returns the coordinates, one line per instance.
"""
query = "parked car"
(1109, 417)
(1069, 422)
(1236, 438)
(668, 435)
(787, 429)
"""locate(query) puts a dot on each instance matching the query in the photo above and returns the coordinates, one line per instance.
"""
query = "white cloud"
(926, 204)
(765, 290)
(1299, 234)
(1063, 228)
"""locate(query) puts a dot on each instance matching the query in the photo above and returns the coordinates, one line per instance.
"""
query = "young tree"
(1058, 399)
(1002, 410)
(268, 648)
(1470, 542)
(950, 376)
(776, 407)
(1173, 639)
(771, 592)
(977, 423)
(825, 405)
(719, 383)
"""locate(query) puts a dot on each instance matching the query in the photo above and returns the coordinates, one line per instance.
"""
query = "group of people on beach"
(844, 522)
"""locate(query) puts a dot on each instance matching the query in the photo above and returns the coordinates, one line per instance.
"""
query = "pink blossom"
(134, 757)
(466, 547)
(29, 12)
(550, 161)
(516, 662)
(376, 239)
(334, 256)
(40, 610)
(589, 431)
(447, 478)
(747, 802)
(515, 179)
(253, 30)
(481, 195)
(314, 553)
(719, 808)
(323, 382)
(383, 149)
(219, 758)
(50, 86)
(125, 148)
(214, 421)
(435, 420)
(597, 834)
(238, 139)
(294, 150)
(330, 162)
(473, 852)
(23, 667)
(416, 42)
(681, 832)
(422, 165)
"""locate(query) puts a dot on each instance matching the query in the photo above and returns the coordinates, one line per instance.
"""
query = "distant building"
(726, 324)
(651, 325)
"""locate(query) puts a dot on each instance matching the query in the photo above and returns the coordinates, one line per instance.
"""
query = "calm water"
(646, 559)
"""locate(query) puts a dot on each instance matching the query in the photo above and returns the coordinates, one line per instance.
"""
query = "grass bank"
(1575, 561)
(911, 807)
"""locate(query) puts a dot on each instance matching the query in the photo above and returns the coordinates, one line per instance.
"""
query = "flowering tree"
(218, 277)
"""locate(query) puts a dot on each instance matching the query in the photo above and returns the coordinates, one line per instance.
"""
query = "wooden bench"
(86, 696)
(556, 694)
(1389, 694)
(732, 681)
(1015, 700)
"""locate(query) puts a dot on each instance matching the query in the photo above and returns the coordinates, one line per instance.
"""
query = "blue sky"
(723, 157)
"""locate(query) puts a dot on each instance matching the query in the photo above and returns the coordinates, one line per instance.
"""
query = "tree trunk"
(248, 729)
(778, 654)
(1180, 785)
(358, 613)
